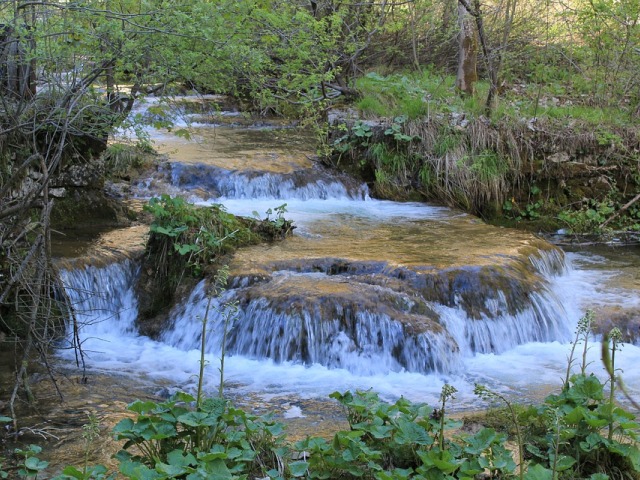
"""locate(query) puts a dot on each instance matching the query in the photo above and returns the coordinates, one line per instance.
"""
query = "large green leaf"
(538, 472)
(198, 419)
(298, 468)
(481, 441)
(411, 433)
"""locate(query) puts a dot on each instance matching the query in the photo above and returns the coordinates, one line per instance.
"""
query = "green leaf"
(138, 471)
(123, 427)
(141, 407)
(276, 429)
(574, 416)
(198, 419)
(592, 442)
(177, 457)
(185, 248)
(299, 468)
(218, 470)
(217, 452)
(34, 463)
(73, 472)
(564, 462)
(538, 472)
(183, 133)
(481, 441)
(182, 397)
(170, 470)
(411, 433)
(633, 455)
(599, 476)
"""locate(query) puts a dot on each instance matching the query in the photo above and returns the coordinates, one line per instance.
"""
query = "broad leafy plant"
(177, 439)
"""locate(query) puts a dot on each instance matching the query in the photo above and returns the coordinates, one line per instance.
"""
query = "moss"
(85, 207)
(187, 242)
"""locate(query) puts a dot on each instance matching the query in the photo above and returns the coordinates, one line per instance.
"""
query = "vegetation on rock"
(187, 241)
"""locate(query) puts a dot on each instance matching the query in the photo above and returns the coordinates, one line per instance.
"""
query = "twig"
(622, 209)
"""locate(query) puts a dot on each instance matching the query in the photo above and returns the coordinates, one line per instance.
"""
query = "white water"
(521, 354)
(525, 371)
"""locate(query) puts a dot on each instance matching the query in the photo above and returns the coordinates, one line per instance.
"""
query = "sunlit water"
(522, 354)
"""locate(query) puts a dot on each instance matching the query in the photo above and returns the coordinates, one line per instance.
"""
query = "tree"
(467, 74)
(493, 56)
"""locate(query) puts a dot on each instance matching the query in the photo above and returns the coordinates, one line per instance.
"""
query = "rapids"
(368, 294)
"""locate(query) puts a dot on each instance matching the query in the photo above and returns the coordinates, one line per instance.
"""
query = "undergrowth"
(185, 240)
(432, 93)
(547, 157)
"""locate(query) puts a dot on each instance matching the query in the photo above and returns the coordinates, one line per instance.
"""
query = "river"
(400, 298)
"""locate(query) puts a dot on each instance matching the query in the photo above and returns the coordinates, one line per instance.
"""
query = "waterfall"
(365, 328)
(103, 298)
(317, 183)
(364, 317)
(360, 341)
(400, 297)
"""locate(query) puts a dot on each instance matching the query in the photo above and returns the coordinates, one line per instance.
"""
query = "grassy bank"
(543, 160)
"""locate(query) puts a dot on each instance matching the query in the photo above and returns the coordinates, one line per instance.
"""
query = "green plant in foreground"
(583, 331)
(214, 440)
(588, 434)
(229, 312)
(485, 393)
(31, 465)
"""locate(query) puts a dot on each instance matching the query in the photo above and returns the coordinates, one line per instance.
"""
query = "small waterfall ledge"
(368, 286)
(209, 182)
(368, 317)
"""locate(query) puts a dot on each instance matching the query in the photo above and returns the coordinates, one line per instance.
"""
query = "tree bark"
(467, 52)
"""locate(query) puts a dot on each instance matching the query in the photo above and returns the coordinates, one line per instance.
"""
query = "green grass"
(558, 96)
(410, 94)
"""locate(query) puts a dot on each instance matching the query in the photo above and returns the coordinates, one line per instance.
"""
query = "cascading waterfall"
(401, 297)
(369, 330)
(317, 183)
(363, 342)
(103, 297)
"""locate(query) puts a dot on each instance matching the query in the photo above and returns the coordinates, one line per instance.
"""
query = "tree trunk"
(467, 52)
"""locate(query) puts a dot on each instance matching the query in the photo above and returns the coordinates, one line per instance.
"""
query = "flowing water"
(396, 297)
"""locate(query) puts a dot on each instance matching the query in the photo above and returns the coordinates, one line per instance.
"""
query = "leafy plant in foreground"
(485, 393)
(587, 433)
(175, 439)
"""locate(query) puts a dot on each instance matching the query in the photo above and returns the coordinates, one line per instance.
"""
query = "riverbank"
(543, 175)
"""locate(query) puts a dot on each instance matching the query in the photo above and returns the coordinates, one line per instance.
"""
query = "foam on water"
(523, 371)
(519, 354)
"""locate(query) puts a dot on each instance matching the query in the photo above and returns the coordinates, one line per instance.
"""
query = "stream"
(400, 298)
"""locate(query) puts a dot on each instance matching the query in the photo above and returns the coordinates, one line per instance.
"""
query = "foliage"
(578, 433)
(185, 240)
(580, 444)
(195, 235)
(121, 160)
(588, 218)
(174, 440)
(412, 95)
(530, 211)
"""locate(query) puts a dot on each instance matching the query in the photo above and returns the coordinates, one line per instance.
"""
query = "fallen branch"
(622, 209)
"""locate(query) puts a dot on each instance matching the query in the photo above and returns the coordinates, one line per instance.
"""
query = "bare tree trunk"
(414, 40)
(493, 56)
(467, 52)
